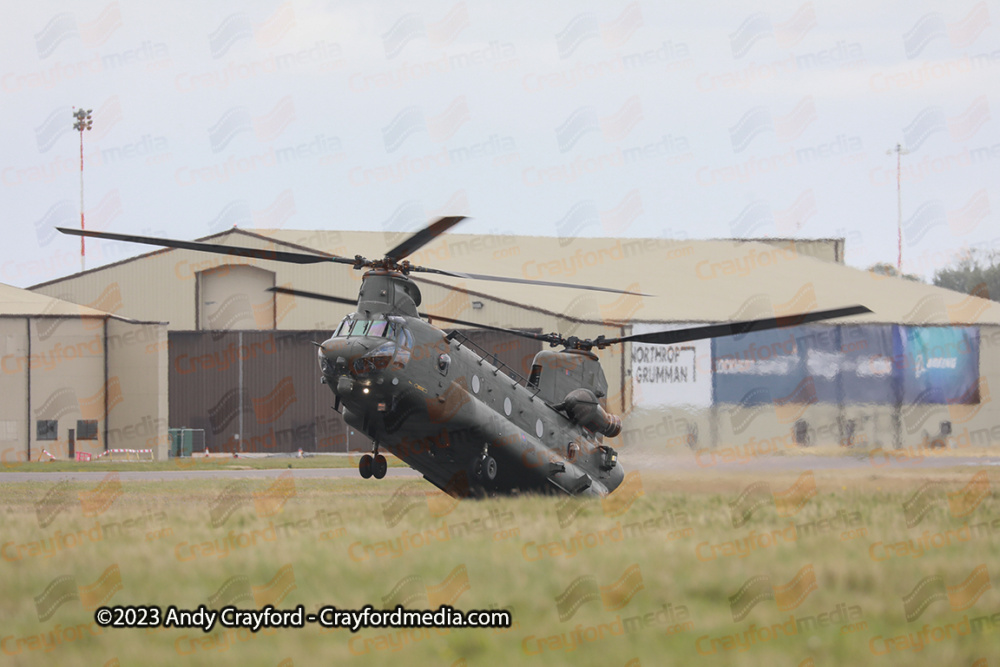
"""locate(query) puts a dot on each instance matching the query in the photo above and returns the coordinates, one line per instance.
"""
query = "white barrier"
(128, 454)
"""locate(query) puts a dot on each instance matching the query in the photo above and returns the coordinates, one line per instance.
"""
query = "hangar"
(241, 365)
(78, 380)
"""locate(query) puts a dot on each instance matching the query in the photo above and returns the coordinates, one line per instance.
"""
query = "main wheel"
(379, 466)
(489, 468)
(365, 466)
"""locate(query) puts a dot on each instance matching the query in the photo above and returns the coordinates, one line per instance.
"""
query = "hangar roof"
(691, 280)
(21, 302)
(17, 302)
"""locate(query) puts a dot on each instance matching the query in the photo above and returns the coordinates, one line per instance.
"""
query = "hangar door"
(234, 297)
(259, 391)
(255, 391)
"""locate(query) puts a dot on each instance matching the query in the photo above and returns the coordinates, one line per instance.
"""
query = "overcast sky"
(680, 120)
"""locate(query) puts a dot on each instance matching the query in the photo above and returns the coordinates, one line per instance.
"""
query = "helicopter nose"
(349, 363)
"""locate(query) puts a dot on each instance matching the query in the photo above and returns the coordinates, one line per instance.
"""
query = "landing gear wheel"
(365, 466)
(484, 469)
(489, 468)
(379, 466)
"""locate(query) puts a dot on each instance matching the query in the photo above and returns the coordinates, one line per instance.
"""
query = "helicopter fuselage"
(443, 408)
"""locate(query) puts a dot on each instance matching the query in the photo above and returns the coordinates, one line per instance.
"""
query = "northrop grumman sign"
(671, 375)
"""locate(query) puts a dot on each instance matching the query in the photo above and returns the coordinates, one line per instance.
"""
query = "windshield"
(375, 328)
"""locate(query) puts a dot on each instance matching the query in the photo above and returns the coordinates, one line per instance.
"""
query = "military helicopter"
(468, 423)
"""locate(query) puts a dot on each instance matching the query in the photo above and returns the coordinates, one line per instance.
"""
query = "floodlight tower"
(83, 122)
(900, 152)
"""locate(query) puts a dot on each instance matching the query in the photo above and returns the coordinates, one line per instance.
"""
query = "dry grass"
(657, 538)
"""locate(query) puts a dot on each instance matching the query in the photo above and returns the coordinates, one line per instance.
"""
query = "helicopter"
(468, 423)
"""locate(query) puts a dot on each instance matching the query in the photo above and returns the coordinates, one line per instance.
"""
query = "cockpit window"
(404, 339)
(375, 328)
(404, 343)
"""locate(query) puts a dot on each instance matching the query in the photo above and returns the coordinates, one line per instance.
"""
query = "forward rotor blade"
(735, 328)
(524, 281)
(236, 251)
(423, 237)
(548, 338)
(313, 295)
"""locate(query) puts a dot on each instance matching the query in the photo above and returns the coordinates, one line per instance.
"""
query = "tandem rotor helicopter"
(468, 423)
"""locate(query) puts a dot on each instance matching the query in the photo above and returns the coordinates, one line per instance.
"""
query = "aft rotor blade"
(313, 295)
(236, 251)
(423, 237)
(735, 328)
(547, 338)
(524, 281)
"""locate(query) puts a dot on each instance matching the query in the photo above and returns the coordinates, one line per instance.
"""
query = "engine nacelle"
(583, 408)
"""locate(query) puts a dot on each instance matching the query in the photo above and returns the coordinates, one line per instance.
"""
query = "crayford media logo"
(624, 307)
(226, 409)
(967, 406)
(238, 590)
(759, 215)
(444, 408)
(268, 502)
(497, 523)
(270, 407)
(238, 120)
(238, 213)
(759, 588)
(64, 589)
(239, 26)
(585, 120)
(412, 120)
(55, 501)
(584, 27)
(94, 502)
(438, 33)
(235, 312)
(971, 308)
(615, 504)
(758, 494)
(933, 589)
(932, 214)
(586, 213)
(413, 591)
(100, 499)
(91, 33)
(959, 34)
(621, 499)
(960, 503)
(960, 128)
(760, 120)
(412, 495)
(612, 597)
(64, 401)
(760, 26)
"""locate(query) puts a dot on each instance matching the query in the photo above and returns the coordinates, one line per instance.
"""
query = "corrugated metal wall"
(255, 391)
(262, 389)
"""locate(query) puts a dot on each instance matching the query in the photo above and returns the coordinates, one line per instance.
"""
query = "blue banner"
(758, 368)
(938, 364)
(848, 365)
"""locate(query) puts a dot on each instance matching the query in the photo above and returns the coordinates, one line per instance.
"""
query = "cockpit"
(384, 341)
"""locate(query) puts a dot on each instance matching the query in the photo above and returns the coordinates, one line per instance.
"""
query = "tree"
(977, 273)
(886, 269)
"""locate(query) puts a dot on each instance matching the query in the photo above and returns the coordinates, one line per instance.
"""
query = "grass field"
(884, 565)
(215, 462)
